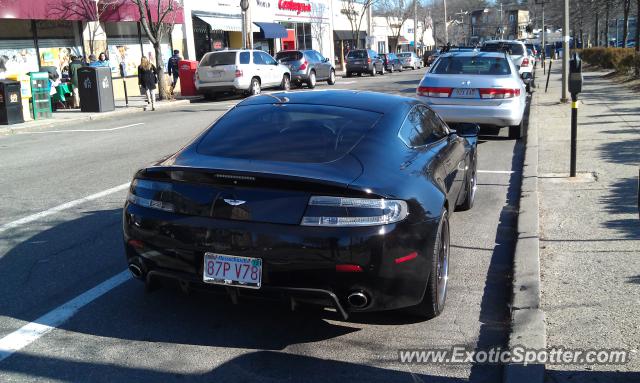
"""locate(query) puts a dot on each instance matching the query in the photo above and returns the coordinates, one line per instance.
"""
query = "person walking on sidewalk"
(173, 68)
(76, 63)
(147, 80)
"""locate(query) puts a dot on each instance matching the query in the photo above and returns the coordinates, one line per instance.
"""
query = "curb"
(49, 123)
(527, 319)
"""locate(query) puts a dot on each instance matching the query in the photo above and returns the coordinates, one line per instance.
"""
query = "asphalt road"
(124, 334)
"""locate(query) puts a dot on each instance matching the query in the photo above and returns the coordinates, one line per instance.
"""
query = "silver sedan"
(476, 87)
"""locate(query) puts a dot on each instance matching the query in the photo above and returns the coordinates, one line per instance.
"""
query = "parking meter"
(575, 76)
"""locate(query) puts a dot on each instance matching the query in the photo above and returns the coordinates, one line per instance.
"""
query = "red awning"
(123, 10)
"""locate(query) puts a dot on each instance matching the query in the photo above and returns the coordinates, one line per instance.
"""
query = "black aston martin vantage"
(335, 198)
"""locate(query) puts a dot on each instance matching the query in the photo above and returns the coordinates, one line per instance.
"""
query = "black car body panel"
(301, 261)
(363, 61)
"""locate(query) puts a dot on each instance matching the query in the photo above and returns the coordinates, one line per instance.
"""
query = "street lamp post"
(244, 6)
(565, 53)
(544, 32)
(446, 27)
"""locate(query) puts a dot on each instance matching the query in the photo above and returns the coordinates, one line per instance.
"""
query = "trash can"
(95, 87)
(10, 103)
(40, 95)
(187, 72)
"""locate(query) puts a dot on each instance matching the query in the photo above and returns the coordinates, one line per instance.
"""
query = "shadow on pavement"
(258, 366)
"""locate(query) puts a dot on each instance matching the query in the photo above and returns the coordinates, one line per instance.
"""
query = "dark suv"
(307, 66)
(391, 62)
(364, 61)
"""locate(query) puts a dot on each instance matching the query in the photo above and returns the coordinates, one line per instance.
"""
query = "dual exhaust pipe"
(136, 270)
(358, 299)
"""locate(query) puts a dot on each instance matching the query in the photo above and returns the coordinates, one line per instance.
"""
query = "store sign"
(294, 6)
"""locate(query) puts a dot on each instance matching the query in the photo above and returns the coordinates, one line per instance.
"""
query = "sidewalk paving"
(66, 116)
(589, 227)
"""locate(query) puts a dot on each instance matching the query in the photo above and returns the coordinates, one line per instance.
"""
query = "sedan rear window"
(219, 58)
(472, 65)
(289, 56)
(288, 133)
(357, 55)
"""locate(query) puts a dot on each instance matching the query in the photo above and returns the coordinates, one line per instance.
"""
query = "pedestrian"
(76, 63)
(147, 80)
(173, 68)
(92, 60)
(103, 60)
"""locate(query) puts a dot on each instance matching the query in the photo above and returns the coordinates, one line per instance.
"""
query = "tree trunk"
(606, 26)
(637, 38)
(597, 30)
(625, 27)
(162, 85)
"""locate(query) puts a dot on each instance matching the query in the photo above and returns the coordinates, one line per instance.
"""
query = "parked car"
(516, 50)
(391, 62)
(364, 61)
(476, 87)
(240, 71)
(354, 214)
(410, 60)
(307, 67)
(433, 57)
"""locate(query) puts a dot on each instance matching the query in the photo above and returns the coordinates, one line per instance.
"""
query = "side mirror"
(465, 129)
(326, 60)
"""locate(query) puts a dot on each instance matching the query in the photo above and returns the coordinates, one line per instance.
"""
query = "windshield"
(472, 65)
(288, 133)
(289, 56)
(219, 58)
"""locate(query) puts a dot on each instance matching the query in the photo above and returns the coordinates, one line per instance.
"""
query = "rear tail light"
(151, 194)
(239, 73)
(525, 62)
(369, 61)
(346, 268)
(303, 66)
(429, 91)
(499, 93)
(341, 212)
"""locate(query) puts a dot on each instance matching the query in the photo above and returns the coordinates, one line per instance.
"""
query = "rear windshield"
(472, 65)
(289, 56)
(357, 55)
(516, 49)
(287, 133)
(219, 58)
(404, 54)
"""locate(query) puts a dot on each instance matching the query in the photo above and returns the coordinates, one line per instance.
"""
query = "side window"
(421, 127)
(311, 57)
(244, 57)
(433, 124)
(257, 58)
(267, 60)
(410, 132)
(319, 56)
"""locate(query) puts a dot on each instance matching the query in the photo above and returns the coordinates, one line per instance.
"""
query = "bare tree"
(89, 10)
(318, 26)
(637, 37)
(356, 11)
(157, 22)
(396, 13)
(626, 9)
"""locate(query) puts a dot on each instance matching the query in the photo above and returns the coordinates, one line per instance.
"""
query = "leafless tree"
(157, 22)
(356, 11)
(396, 13)
(89, 10)
(626, 9)
(318, 26)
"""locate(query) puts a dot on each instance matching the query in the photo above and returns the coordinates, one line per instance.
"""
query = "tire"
(383, 70)
(254, 87)
(392, 69)
(470, 187)
(349, 74)
(516, 131)
(373, 71)
(528, 89)
(435, 294)
(414, 67)
(332, 78)
(359, 74)
(286, 83)
(311, 82)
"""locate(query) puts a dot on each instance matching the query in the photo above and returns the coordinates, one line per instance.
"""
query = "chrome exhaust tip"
(358, 299)
(135, 271)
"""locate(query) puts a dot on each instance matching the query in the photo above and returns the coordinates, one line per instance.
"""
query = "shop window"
(303, 36)
(16, 43)
(57, 43)
(124, 49)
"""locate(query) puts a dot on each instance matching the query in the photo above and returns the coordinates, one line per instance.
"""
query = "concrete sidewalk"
(589, 227)
(68, 116)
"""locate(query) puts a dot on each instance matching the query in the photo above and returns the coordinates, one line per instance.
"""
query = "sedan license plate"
(466, 93)
(231, 270)
(215, 74)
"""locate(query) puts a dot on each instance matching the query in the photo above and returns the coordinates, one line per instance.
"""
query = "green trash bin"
(40, 95)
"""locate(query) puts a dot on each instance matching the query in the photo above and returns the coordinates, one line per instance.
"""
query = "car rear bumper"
(297, 259)
(237, 85)
(359, 68)
(507, 114)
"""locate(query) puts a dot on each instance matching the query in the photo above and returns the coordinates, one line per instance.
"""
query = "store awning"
(228, 24)
(272, 30)
(402, 41)
(347, 35)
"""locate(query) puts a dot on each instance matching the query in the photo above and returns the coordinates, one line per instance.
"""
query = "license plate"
(215, 74)
(466, 93)
(357, 63)
(231, 270)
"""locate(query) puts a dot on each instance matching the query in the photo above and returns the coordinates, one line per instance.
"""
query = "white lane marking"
(30, 332)
(59, 208)
(497, 171)
(84, 130)
(345, 82)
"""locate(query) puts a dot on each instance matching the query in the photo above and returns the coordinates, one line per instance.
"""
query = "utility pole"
(446, 27)
(501, 23)
(565, 53)
(244, 5)
(415, 26)
(544, 32)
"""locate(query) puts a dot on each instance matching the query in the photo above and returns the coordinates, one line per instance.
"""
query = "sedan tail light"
(239, 73)
(151, 194)
(369, 61)
(349, 212)
(499, 93)
(525, 62)
(429, 91)
(303, 66)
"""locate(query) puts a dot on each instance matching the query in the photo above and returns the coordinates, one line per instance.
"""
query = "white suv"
(517, 51)
(240, 71)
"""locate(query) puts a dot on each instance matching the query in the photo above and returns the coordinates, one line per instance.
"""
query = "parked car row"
(488, 86)
(370, 62)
